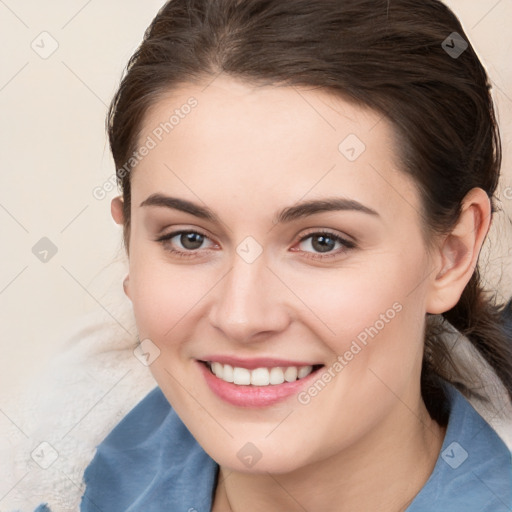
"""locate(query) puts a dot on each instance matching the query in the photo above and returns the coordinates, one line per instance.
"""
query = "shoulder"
(474, 469)
(142, 423)
(149, 458)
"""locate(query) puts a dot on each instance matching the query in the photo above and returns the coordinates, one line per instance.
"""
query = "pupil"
(191, 240)
(323, 244)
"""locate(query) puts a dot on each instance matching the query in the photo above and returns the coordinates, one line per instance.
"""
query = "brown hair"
(390, 56)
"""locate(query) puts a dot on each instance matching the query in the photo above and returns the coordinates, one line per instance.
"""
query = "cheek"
(348, 300)
(164, 295)
(372, 316)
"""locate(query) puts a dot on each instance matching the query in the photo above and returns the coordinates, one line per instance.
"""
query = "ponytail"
(488, 328)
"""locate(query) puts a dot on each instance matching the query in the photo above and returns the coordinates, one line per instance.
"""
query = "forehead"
(270, 144)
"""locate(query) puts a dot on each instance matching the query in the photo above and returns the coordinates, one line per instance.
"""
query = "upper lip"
(257, 362)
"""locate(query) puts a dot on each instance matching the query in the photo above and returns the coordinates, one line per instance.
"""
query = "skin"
(366, 441)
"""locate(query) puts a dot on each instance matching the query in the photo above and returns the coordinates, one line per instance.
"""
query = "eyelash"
(347, 245)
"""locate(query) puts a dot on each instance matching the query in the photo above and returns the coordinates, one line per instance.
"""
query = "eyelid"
(169, 236)
(326, 231)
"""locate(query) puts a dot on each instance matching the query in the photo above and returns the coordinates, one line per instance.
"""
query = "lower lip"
(253, 396)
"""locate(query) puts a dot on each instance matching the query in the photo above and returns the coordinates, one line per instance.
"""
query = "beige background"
(54, 153)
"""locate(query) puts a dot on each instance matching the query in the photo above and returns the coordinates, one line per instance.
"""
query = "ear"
(457, 255)
(116, 209)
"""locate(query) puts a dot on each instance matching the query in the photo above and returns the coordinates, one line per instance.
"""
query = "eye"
(188, 242)
(318, 245)
(323, 244)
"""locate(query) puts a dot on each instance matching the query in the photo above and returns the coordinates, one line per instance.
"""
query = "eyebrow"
(288, 214)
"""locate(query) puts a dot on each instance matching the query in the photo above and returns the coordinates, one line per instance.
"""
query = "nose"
(248, 304)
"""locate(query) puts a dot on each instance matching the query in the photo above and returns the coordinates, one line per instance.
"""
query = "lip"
(254, 396)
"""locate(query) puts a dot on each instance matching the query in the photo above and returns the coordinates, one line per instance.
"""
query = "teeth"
(241, 376)
(259, 376)
(304, 372)
(228, 373)
(276, 376)
(218, 369)
(290, 374)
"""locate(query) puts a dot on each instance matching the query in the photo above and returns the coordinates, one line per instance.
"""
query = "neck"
(384, 472)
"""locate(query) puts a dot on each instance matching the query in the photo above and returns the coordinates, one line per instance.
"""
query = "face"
(291, 247)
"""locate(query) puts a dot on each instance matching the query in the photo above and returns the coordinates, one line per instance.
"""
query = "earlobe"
(126, 286)
(458, 252)
(116, 209)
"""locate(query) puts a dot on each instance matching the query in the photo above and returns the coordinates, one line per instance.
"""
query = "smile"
(265, 383)
(258, 376)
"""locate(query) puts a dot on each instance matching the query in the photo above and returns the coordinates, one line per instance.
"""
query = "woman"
(306, 187)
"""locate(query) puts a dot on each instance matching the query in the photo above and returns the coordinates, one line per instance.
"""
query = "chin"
(274, 465)
(260, 456)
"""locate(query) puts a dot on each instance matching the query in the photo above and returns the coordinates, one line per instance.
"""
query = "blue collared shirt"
(150, 462)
